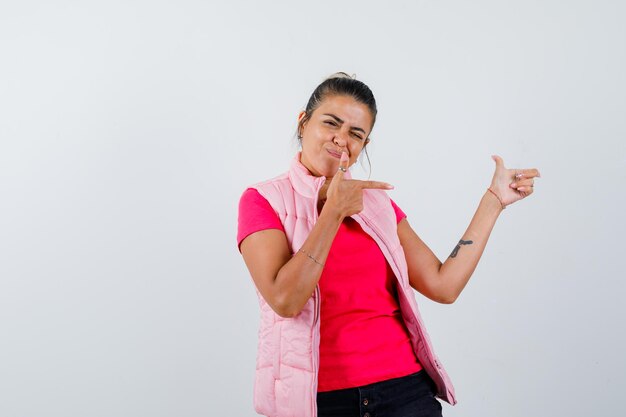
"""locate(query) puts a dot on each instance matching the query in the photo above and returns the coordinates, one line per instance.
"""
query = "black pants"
(409, 396)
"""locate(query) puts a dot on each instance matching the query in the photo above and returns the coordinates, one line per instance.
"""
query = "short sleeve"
(399, 213)
(255, 214)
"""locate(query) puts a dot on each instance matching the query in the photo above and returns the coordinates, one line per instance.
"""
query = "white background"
(128, 131)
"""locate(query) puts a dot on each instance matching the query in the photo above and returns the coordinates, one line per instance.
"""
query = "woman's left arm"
(443, 282)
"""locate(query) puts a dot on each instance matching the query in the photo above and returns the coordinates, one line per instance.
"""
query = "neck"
(321, 198)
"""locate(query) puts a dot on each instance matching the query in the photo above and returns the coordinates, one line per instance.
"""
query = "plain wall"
(128, 131)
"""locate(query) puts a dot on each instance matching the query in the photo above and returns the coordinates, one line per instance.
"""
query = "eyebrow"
(341, 121)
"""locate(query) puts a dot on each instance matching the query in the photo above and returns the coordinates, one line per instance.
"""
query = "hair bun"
(342, 74)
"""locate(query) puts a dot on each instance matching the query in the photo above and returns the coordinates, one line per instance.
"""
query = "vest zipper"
(316, 316)
(316, 294)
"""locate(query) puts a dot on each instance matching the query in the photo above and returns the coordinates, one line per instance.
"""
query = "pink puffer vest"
(288, 350)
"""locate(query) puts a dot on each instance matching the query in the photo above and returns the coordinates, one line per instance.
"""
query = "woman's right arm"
(286, 282)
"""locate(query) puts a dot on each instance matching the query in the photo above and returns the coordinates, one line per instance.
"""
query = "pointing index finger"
(376, 185)
(528, 173)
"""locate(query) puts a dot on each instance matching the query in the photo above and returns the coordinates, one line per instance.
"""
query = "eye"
(330, 122)
(356, 135)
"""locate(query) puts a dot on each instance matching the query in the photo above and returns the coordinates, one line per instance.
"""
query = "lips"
(334, 154)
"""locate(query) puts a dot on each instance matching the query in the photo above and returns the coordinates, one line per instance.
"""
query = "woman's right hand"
(345, 197)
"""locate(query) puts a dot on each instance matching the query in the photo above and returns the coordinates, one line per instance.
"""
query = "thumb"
(499, 161)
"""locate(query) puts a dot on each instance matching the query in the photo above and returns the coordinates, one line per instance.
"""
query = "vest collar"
(303, 182)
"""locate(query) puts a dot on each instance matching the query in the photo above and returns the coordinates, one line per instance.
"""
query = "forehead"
(349, 110)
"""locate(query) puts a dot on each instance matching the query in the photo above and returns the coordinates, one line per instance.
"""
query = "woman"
(334, 261)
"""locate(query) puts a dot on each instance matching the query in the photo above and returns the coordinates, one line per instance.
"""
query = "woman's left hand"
(512, 185)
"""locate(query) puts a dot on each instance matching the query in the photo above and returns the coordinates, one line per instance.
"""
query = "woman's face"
(340, 123)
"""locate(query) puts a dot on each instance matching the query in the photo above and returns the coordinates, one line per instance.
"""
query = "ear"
(301, 122)
(366, 142)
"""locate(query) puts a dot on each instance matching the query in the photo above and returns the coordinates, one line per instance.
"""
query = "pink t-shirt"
(363, 337)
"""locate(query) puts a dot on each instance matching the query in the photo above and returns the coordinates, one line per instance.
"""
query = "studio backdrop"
(129, 130)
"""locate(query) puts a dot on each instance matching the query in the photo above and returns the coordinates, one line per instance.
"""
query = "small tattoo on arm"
(458, 246)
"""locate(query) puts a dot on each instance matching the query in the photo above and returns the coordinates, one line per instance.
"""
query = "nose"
(339, 140)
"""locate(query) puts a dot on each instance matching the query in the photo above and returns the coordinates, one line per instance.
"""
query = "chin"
(326, 168)
(329, 170)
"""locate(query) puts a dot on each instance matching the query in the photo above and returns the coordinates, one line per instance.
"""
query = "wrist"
(494, 199)
(330, 213)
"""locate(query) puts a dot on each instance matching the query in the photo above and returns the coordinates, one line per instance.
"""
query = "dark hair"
(340, 84)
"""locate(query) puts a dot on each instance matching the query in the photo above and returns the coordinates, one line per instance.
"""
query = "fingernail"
(390, 187)
(514, 184)
(344, 157)
(538, 174)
